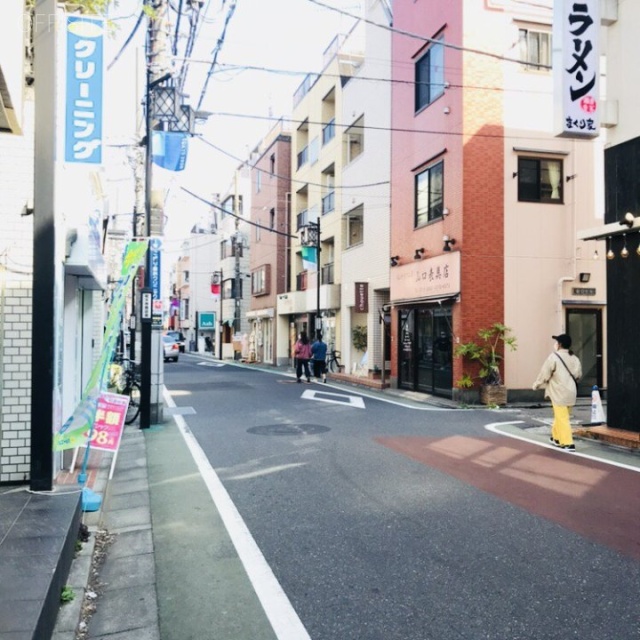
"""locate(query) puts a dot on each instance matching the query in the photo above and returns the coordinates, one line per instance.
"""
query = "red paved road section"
(598, 501)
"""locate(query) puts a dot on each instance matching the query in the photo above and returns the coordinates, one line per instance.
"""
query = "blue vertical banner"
(84, 89)
(155, 281)
(155, 247)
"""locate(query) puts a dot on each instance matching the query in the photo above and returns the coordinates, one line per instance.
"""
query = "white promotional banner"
(576, 68)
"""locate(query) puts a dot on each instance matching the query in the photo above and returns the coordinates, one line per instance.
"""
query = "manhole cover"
(288, 429)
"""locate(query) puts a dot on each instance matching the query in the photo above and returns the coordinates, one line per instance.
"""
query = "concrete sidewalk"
(169, 569)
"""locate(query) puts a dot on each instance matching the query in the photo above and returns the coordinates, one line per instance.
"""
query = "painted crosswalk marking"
(357, 402)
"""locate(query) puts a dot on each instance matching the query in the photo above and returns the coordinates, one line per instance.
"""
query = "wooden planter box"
(493, 394)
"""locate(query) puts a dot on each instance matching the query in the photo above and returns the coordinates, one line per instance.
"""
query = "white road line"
(340, 398)
(277, 606)
(495, 428)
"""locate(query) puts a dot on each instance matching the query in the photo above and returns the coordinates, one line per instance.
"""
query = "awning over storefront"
(428, 300)
(261, 313)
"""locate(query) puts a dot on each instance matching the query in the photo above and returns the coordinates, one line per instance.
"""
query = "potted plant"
(488, 353)
(359, 337)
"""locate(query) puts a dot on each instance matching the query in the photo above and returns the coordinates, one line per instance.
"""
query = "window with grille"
(535, 48)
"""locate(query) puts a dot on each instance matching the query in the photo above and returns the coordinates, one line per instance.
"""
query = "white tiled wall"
(16, 287)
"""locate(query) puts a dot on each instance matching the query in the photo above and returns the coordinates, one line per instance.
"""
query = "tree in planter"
(488, 353)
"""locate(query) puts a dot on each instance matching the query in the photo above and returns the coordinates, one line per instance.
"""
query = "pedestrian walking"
(319, 355)
(559, 378)
(302, 352)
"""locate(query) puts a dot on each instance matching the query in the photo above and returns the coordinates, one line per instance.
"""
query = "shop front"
(424, 296)
(425, 359)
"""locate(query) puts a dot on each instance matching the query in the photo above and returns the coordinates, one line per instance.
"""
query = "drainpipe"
(559, 309)
(573, 247)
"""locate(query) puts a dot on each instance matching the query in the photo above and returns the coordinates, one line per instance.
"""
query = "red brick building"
(483, 216)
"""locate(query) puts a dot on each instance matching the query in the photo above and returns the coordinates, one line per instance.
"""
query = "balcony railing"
(302, 219)
(303, 157)
(328, 202)
(329, 131)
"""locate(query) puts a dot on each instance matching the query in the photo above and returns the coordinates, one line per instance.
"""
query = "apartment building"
(268, 262)
(486, 201)
(232, 268)
(365, 121)
(314, 302)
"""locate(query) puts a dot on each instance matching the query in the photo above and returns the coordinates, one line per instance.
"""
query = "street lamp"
(310, 237)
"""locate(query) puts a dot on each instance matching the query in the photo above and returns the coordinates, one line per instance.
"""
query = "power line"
(475, 134)
(422, 38)
(253, 166)
(237, 217)
(127, 41)
(216, 51)
(447, 85)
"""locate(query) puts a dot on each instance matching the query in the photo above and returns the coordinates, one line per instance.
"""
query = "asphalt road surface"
(386, 520)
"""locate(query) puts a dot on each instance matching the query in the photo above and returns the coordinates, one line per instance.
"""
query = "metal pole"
(145, 353)
(132, 318)
(319, 281)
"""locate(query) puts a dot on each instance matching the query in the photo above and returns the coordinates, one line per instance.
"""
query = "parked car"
(178, 337)
(171, 349)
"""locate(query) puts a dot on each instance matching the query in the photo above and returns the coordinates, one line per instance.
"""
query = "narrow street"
(385, 518)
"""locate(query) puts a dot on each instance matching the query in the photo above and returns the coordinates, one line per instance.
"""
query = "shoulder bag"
(567, 368)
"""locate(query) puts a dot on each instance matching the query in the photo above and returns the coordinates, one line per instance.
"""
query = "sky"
(279, 34)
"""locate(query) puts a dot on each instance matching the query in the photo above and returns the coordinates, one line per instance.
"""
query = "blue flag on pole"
(170, 149)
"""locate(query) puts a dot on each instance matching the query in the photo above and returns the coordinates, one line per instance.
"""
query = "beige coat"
(556, 380)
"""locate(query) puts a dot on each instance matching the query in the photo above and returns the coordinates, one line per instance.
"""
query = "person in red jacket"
(302, 352)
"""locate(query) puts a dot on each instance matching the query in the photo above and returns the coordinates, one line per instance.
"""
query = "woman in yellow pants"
(559, 378)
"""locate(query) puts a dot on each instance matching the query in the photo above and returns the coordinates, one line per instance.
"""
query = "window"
(539, 180)
(258, 229)
(258, 180)
(272, 219)
(185, 275)
(354, 141)
(260, 280)
(353, 228)
(430, 75)
(272, 164)
(535, 48)
(231, 248)
(228, 206)
(229, 289)
(429, 194)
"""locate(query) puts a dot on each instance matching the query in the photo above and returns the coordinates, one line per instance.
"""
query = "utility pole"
(156, 74)
(132, 317)
(237, 249)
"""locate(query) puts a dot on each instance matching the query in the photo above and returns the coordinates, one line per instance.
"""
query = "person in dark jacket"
(319, 355)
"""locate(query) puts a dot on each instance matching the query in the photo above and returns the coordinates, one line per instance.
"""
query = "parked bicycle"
(333, 361)
(125, 380)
